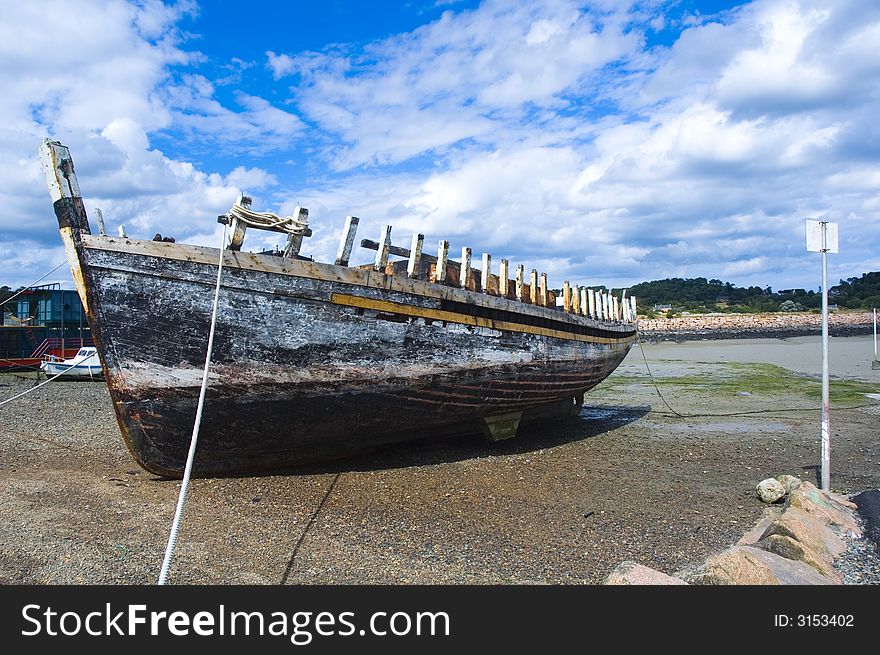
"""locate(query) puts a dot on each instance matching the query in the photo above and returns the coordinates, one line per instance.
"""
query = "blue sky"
(602, 142)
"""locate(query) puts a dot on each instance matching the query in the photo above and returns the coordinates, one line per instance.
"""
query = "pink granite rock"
(747, 565)
(795, 550)
(633, 573)
(810, 531)
(831, 509)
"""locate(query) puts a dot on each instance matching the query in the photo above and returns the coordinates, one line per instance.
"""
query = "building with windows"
(41, 321)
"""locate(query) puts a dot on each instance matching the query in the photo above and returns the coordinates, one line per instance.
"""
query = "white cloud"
(100, 77)
(250, 178)
(281, 65)
(466, 76)
(719, 148)
(258, 128)
(547, 133)
(127, 135)
(777, 70)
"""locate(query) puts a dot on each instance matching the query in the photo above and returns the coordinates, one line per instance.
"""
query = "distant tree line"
(858, 292)
(699, 295)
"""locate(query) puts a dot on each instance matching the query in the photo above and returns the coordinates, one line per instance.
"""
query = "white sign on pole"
(822, 237)
(815, 235)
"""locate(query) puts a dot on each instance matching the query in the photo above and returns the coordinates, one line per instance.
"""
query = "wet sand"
(848, 357)
(561, 503)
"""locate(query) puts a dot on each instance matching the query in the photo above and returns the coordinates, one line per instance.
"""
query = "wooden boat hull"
(311, 361)
(315, 361)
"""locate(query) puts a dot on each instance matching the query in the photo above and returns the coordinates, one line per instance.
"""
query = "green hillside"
(699, 295)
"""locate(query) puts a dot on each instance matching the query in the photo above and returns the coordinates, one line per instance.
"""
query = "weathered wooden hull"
(315, 361)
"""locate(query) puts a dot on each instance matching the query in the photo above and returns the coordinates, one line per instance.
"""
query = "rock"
(770, 490)
(747, 565)
(795, 550)
(813, 533)
(633, 573)
(829, 508)
(755, 534)
(790, 482)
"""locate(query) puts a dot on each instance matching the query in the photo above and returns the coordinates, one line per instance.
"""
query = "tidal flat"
(562, 503)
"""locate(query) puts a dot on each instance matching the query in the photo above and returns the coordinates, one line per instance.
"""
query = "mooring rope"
(651, 375)
(27, 435)
(744, 413)
(16, 295)
(264, 220)
(184, 486)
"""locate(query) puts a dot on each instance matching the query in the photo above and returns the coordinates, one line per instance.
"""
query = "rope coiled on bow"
(267, 220)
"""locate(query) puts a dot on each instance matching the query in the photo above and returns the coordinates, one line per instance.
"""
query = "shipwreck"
(313, 361)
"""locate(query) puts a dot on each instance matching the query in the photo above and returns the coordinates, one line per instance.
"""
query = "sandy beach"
(560, 503)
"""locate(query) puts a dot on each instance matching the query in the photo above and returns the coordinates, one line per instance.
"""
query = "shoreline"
(681, 336)
(777, 325)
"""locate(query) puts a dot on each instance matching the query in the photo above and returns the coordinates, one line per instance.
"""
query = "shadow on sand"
(591, 422)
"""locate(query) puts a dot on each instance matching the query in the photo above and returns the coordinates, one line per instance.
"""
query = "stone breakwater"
(756, 326)
(801, 543)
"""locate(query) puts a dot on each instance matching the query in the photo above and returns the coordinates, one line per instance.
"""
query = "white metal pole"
(875, 334)
(826, 426)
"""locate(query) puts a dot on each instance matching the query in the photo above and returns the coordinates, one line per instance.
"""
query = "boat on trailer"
(315, 361)
(85, 365)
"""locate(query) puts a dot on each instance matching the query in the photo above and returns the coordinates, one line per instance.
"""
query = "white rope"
(184, 486)
(13, 297)
(54, 377)
(268, 220)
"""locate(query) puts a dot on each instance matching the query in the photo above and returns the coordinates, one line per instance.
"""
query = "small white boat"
(85, 364)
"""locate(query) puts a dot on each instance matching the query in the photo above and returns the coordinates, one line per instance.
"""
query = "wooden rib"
(294, 241)
(442, 256)
(382, 252)
(236, 237)
(100, 216)
(415, 254)
(520, 273)
(486, 272)
(346, 241)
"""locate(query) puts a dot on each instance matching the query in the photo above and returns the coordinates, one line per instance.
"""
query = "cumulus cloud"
(474, 75)
(257, 126)
(106, 78)
(563, 135)
(706, 155)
